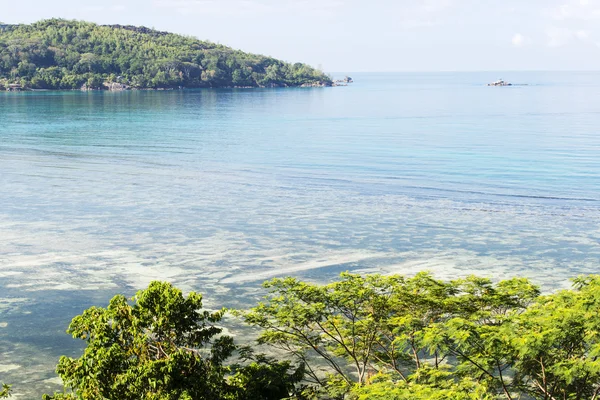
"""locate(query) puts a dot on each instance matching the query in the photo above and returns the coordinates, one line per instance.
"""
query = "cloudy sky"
(359, 35)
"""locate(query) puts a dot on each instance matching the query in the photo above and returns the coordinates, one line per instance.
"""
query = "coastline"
(129, 89)
(118, 87)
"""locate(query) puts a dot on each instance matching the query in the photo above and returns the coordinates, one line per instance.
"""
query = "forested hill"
(61, 54)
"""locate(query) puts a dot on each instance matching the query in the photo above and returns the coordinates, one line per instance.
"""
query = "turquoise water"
(218, 190)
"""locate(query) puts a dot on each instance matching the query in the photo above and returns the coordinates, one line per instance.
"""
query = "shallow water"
(218, 190)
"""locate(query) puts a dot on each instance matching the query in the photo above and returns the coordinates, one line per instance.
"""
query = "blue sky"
(358, 35)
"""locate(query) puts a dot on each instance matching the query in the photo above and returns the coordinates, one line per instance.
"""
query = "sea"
(217, 191)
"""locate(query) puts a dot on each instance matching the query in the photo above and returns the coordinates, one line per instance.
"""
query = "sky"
(360, 35)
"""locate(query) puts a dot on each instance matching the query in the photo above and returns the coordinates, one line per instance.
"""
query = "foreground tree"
(332, 329)
(435, 385)
(265, 378)
(164, 346)
(421, 332)
(557, 344)
(477, 334)
(361, 338)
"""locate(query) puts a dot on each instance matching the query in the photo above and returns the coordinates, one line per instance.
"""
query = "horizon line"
(459, 71)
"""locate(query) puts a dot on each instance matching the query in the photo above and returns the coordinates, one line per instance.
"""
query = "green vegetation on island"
(62, 54)
(360, 338)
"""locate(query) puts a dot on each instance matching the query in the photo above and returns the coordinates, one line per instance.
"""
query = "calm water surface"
(218, 190)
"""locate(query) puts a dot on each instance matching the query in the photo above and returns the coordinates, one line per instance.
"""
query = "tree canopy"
(392, 337)
(367, 337)
(164, 346)
(63, 54)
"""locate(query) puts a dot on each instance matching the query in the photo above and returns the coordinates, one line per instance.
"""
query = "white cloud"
(104, 8)
(213, 7)
(421, 14)
(518, 40)
(585, 10)
(402, 14)
(558, 37)
(93, 9)
(250, 7)
(571, 22)
(582, 35)
(434, 6)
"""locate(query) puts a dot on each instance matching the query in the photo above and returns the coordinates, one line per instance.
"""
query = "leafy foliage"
(557, 344)
(363, 337)
(338, 323)
(438, 386)
(265, 378)
(429, 338)
(155, 349)
(164, 347)
(61, 54)
(5, 391)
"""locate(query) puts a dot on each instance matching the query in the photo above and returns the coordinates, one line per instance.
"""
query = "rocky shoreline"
(120, 87)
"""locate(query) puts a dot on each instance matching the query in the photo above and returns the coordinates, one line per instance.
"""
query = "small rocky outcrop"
(343, 82)
(86, 88)
(116, 86)
(14, 87)
(315, 84)
(273, 85)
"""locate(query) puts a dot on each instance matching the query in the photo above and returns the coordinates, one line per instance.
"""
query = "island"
(59, 54)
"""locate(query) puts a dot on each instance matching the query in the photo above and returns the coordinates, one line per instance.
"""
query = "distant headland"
(59, 54)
